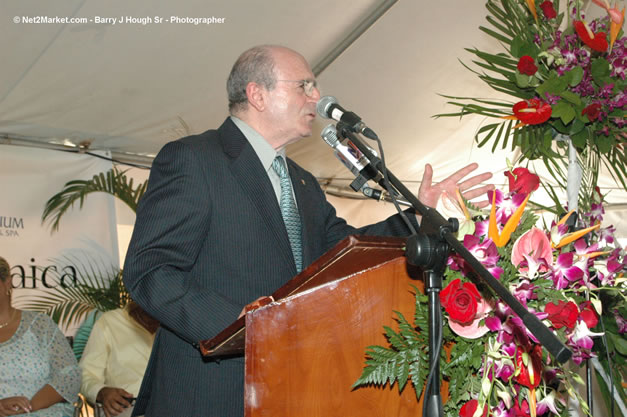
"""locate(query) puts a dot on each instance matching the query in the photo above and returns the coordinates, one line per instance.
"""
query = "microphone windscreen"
(323, 106)
(329, 134)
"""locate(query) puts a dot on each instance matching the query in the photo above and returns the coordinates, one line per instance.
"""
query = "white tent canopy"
(132, 86)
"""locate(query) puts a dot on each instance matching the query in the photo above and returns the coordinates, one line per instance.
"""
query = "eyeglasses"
(307, 85)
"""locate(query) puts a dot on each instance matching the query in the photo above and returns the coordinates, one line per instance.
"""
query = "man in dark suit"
(210, 236)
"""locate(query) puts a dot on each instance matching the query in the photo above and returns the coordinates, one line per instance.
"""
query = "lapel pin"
(302, 181)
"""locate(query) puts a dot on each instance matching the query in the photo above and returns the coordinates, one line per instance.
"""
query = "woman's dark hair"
(5, 272)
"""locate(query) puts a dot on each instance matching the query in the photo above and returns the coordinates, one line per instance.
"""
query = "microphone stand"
(430, 249)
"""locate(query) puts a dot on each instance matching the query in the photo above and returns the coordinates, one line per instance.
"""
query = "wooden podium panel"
(304, 352)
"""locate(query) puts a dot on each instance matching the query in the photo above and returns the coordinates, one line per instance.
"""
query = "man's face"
(290, 111)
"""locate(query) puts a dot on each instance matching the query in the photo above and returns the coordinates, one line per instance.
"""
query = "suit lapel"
(253, 179)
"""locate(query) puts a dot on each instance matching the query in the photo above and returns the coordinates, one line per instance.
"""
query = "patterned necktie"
(291, 217)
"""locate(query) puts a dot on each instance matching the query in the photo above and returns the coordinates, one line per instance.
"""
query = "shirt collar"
(262, 148)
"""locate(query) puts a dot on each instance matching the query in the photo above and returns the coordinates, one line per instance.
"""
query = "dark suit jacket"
(209, 238)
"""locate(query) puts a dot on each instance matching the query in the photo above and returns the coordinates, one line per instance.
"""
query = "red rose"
(533, 111)
(588, 315)
(468, 409)
(460, 301)
(526, 65)
(562, 314)
(592, 111)
(548, 10)
(597, 42)
(529, 374)
(521, 180)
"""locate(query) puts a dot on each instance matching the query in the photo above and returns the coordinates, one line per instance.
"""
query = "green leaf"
(620, 343)
(576, 75)
(604, 143)
(522, 80)
(600, 69)
(580, 139)
(112, 182)
(553, 85)
(564, 111)
(571, 97)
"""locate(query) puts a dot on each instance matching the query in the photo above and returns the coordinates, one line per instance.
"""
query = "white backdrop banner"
(87, 237)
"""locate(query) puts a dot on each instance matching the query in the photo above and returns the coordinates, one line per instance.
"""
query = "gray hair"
(4, 269)
(254, 65)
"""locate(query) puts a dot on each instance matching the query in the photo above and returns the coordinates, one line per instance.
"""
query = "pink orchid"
(564, 271)
(549, 402)
(485, 252)
(580, 340)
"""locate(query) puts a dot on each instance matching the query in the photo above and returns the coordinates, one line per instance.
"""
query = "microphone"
(351, 157)
(329, 108)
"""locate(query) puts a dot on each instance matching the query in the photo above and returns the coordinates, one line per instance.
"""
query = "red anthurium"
(592, 111)
(529, 372)
(468, 409)
(533, 111)
(596, 41)
(526, 65)
(529, 367)
(548, 10)
(617, 17)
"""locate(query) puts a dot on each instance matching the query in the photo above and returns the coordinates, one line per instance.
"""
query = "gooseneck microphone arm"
(417, 252)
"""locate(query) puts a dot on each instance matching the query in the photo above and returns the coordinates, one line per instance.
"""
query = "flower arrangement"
(566, 74)
(572, 280)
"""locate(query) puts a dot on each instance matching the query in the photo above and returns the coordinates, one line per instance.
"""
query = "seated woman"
(115, 358)
(39, 375)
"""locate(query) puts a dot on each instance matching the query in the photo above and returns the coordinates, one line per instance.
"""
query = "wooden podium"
(304, 351)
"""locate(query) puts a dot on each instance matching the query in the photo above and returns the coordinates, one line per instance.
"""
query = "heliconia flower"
(505, 206)
(616, 19)
(570, 237)
(615, 26)
(532, 112)
(501, 239)
(532, 8)
(548, 10)
(596, 41)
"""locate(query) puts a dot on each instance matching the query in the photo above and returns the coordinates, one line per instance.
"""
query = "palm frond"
(97, 287)
(113, 182)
